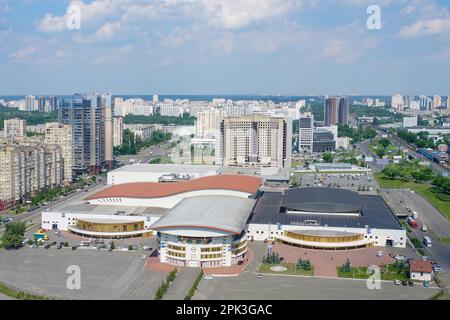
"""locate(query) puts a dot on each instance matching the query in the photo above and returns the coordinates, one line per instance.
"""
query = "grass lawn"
(390, 273)
(445, 240)
(356, 273)
(423, 189)
(442, 296)
(10, 292)
(291, 269)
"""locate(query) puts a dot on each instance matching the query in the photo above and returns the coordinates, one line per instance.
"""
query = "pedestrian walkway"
(179, 288)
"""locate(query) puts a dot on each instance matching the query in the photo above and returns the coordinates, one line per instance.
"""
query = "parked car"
(259, 276)
(144, 257)
(438, 269)
(411, 284)
(74, 248)
(59, 246)
(397, 282)
(404, 283)
(47, 246)
(208, 277)
(240, 262)
(424, 228)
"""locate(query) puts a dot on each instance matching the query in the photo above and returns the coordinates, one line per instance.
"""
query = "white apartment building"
(14, 128)
(30, 103)
(207, 124)
(61, 135)
(305, 133)
(117, 131)
(26, 168)
(409, 122)
(171, 110)
(259, 140)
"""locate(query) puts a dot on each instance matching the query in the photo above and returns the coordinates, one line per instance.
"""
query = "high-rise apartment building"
(397, 102)
(305, 133)
(26, 168)
(424, 103)
(437, 102)
(62, 135)
(117, 131)
(259, 140)
(91, 119)
(448, 103)
(336, 110)
(53, 102)
(14, 128)
(207, 123)
(30, 103)
(41, 104)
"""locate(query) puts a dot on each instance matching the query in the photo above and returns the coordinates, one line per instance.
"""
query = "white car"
(208, 277)
(397, 282)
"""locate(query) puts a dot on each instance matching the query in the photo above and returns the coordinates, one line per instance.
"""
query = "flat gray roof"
(223, 213)
(375, 213)
(169, 168)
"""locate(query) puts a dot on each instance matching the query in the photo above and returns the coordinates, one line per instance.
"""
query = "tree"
(13, 236)
(327, 157)
(347, 266)
(384, 142)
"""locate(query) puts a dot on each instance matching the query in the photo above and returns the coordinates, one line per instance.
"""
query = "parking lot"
(104, 275)
(356, 182)
(279, 287)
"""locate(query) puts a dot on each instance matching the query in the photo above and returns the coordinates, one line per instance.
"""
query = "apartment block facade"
(258, 140)
(27, 167)
(62, 135)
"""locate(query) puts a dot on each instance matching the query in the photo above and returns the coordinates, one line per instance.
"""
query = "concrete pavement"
(183, 282)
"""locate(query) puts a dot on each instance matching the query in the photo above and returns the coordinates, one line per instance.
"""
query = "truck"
(427, 241)
(40, 236)
(412, 222)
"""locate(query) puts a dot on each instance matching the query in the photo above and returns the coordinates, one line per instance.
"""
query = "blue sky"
(293, 47)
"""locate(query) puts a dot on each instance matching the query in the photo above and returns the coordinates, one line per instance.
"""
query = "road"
(35, 214)
(148, 154)
(411, 150)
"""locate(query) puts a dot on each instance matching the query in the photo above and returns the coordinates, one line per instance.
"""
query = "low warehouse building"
(325, 218)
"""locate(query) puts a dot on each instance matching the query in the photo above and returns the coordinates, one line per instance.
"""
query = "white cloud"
(438, 26)
(23, 53)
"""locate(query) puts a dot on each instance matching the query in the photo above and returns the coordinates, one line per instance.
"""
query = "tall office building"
(91, 119)
(26, 168)
(30, 103)
(259, 140)
(305, 133)
(336, 110)
(41, 104)
(397, 102)
(62, 135)
(117, 131)
(14, 128)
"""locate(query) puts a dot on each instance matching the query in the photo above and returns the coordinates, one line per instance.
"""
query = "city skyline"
(225, 47)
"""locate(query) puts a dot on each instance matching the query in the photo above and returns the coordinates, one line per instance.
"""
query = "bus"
(427, 241)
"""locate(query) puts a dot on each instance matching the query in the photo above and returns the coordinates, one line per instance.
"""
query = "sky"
(288, 47)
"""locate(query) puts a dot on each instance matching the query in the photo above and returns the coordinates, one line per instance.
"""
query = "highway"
(441, 169)
(146, 155)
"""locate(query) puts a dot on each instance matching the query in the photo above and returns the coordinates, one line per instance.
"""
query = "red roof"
(247, 184)
(420, 266)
